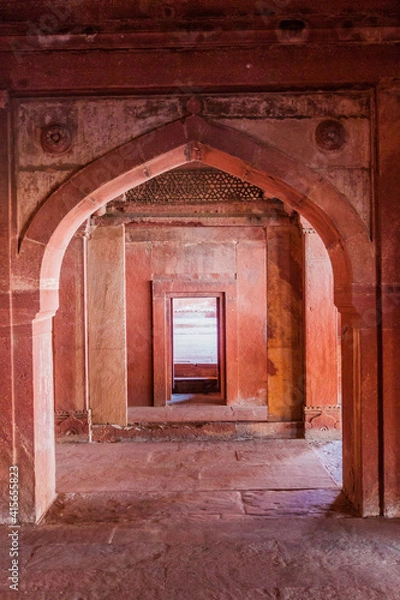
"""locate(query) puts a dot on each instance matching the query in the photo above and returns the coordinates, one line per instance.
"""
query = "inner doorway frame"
(162, 291)
(218, 395)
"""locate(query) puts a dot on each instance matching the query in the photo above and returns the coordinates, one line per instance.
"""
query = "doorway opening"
(197, 349)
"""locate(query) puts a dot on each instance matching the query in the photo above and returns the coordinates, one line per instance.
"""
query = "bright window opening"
(195, 346)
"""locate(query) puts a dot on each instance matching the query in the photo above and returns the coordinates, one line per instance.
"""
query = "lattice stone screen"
(191, 186)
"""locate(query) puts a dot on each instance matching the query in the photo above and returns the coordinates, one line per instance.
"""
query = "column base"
(73, 426)
(322, 422)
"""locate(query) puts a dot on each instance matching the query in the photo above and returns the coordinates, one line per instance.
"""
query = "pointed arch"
(227, 149)
(193, 140)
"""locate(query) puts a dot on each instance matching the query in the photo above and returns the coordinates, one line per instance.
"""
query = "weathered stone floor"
(204, 521)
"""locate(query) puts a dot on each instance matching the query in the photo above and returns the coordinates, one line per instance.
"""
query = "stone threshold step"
(126, 507)
(178, 413)
(197, 431)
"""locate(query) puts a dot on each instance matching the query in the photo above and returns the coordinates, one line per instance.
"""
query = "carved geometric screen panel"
(192, 186)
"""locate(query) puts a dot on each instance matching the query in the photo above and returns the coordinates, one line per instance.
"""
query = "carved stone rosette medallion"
(55, 139)
(330, 135)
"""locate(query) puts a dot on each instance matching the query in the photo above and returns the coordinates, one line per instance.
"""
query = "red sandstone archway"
(330, 213)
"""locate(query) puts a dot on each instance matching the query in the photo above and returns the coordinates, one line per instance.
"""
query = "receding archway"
(351, 253)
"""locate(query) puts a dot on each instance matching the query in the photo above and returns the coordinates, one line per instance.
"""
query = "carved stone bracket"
(72, 425)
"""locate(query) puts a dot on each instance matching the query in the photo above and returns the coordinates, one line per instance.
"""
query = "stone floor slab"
(243, 543)
(192, 558)
(106, 507)
(151, 467)
(215, 560)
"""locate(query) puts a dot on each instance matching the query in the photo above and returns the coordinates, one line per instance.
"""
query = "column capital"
(306, 227)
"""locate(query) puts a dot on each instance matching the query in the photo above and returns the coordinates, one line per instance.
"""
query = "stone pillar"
(33, 421)
(107, 326)
(359, 405)
(388, 241)
(45, 467)
(252, 310)
(7, 456)
(139, 322)
(27, 429)
(285, 318)
(322, 410)
(71, 409)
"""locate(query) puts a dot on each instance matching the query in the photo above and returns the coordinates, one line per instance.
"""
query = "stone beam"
(26, 71)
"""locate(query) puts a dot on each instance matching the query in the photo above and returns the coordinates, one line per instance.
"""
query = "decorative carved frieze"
(192, 186)
(326, 105)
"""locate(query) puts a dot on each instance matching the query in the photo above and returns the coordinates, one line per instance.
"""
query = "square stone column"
(72, 418)
(322, 409)
(388, 242)
(359, 407)
(7, 456)
(285, 319)
(107, 326)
